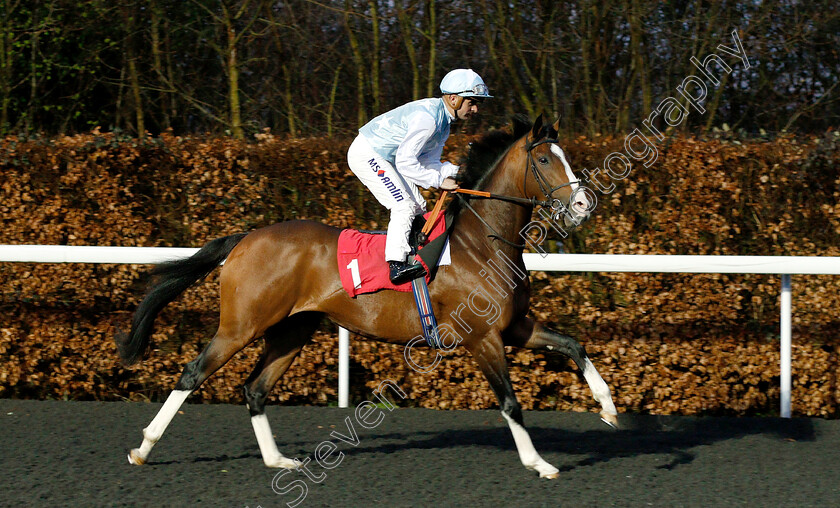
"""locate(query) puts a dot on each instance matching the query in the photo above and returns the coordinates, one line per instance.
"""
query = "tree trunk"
(712, 108)
(33, 75)
(361, 115)
(516, 60)
(233, 82)
(641, 61)
(333, 91)
(490, 44)
(406, 28)
(7, 56)
(170, 70)
(506, 58)
(288, 101)
(431, 77)
(586, 40)
(120, 93)
(134, 79)
(157, 63)
(374, 59)
(130, 22)
(285, 75)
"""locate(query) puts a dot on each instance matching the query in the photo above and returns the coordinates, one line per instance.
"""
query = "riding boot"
(401, 271)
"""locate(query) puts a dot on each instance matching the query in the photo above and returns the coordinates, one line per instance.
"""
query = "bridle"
(545, 186)
(543, 183)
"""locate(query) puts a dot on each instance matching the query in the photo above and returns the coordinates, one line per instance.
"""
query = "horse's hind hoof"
(610, 419)
(283, 463)
(135, 458)
(544, 469)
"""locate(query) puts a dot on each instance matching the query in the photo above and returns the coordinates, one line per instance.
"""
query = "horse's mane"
(483, 156)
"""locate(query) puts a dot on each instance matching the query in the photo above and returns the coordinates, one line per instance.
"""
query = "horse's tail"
(174, 278)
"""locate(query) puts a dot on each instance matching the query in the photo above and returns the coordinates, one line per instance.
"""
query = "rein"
(495, 234)
(499, 197)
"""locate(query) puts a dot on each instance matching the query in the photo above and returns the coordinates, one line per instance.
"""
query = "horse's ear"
(556, 125)
(538, 125)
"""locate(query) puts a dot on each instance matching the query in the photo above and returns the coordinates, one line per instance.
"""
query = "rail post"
(343, 367)
(785, 347)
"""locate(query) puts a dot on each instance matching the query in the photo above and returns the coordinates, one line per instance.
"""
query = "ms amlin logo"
(393, 189)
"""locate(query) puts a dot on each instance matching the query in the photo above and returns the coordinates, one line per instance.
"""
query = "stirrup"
(401, 272)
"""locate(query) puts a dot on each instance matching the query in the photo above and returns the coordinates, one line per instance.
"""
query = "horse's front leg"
(490, 355)
(532, 335)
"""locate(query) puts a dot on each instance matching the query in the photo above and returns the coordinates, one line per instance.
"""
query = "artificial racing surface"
(57, 453)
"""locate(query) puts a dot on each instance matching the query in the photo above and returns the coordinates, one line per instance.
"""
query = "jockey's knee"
(406, 208)
(401, 220)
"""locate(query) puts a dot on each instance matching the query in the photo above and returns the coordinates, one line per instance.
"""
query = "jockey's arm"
(427, 171)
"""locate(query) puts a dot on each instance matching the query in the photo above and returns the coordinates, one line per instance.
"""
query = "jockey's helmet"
(465, 83)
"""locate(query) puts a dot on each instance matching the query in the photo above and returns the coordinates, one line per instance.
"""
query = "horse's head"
(549, 178)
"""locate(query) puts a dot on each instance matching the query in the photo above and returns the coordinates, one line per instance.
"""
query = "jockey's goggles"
(479, 90)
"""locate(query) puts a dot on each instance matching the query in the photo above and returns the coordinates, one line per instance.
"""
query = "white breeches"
(401, 197)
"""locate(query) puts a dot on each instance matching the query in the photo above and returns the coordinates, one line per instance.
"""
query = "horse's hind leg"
(283, 342)
(490, 356)
(223, 346)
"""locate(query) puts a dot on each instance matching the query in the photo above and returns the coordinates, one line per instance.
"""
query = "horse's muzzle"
(575, 221)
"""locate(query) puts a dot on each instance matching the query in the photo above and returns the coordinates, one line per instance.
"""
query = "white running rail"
(650, 263)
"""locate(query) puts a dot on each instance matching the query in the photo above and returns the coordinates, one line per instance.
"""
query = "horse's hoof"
(284, 463)
(545, 469)
(610, 419)
(135, 458)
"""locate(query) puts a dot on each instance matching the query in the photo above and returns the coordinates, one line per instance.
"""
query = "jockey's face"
(469, 107)
(462, 107)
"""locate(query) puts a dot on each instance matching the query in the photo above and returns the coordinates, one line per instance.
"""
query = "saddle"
(361, 256)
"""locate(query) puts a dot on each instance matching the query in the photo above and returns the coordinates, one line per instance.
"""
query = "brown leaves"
(665, 343)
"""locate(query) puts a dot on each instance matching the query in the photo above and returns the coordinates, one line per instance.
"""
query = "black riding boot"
(404, 272)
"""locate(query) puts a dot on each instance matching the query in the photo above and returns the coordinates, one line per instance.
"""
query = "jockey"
(400, 150)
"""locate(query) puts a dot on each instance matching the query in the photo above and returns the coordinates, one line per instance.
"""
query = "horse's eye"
(543, 160)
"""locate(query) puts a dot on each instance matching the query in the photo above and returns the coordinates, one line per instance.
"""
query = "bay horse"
(278, 282)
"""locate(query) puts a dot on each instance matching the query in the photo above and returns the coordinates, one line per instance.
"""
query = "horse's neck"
(506, 219)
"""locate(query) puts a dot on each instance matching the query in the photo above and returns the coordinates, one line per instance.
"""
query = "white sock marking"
(600, 390)
(527, 453)
(268, 447)
(154, 431)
